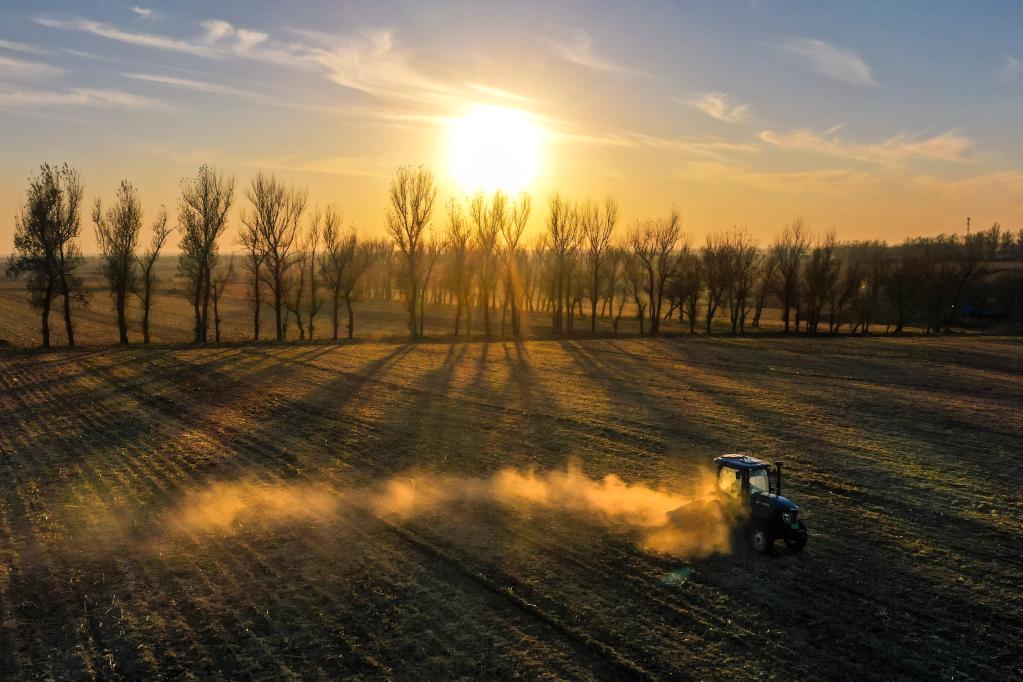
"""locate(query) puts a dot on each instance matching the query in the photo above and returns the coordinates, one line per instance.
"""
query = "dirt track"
(902, 453)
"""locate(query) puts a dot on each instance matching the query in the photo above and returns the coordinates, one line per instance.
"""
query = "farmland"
(188, 511)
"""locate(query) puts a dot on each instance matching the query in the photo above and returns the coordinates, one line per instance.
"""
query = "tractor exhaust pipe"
(777, 473)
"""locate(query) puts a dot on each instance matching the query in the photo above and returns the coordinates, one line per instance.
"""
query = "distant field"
(118, 559)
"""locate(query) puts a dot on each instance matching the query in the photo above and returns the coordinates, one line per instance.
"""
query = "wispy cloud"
(834, 62)
(836, 182)
(20, 70)
(499, 93)
(76, 97)
(579, 50)
(21, 47)
(130, 37)
(1012, 68)
(194, 85)
(143, 12)
(363, 166)
(368, 61)
(950, 146)
(715, 105)
(704, 147)
(1004, 183)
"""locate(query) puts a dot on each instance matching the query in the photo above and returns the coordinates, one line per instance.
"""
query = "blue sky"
(879, 120)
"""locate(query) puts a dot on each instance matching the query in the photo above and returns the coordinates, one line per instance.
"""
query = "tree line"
(306, 262)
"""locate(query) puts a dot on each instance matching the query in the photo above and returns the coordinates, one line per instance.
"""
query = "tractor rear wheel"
(761, 541)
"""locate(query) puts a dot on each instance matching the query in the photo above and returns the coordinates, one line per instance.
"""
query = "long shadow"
(858, 591)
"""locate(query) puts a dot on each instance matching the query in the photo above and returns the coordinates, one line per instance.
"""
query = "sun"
(495, 148)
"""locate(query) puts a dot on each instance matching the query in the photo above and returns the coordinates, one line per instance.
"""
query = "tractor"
(748, 480)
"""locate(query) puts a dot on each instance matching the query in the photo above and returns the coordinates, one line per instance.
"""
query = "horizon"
(739, 114)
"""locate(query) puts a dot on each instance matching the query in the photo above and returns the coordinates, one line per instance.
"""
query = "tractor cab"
(752, 482)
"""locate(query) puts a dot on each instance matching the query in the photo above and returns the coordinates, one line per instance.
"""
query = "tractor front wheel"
(796, 541)
(761, 541)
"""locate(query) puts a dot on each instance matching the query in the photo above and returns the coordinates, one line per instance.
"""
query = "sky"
(876, 120)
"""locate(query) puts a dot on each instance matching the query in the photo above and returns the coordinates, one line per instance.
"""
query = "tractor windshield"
(759, 481)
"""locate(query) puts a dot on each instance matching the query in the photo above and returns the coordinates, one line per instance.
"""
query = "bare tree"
(511, 232)
(903, 281)
(432, 250)
(412, 193)
(312, 246)
(293, 293)
(488, 216)
(658, 245)
(338, 252)
(764, 284)
(848, 281)
(276, 215)
(363, 256)
(745, 262)
(117, 235)
(717, 273)
(458, 238)
(788, 251)
(598, 230)
(617, 283)
(562, 241)
(255, 256)
(147, 262)
(635, 276)
(45, 244)
(202, 217)
(689, 281)
(820, 276)
(221, 278)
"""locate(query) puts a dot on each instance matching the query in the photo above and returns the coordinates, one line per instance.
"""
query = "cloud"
(950, 146)
(21, 47)
(579, 50)
(1007, 184)
(19, 70)
(143, 12)
(706, 147)
(240, 40)
(829, 182)
(130, 37)
(361, 166)
(195, 85)
(76, 97)
(831, 61)
(715, 105)
(1012, 68)
(498, 92)
(367, 61)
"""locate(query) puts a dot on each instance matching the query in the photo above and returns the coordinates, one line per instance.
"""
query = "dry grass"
(902, 452)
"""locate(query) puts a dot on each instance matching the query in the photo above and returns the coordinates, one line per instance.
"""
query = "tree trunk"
(413, 300)
(67, 311)
(147, 288)
(206, 303)
(351, 317)
(277, 307)
(258, 303)
(122, 322)
(47, 302)
(336, 296)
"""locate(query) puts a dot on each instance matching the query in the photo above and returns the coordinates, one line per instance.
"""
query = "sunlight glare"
(495, 148)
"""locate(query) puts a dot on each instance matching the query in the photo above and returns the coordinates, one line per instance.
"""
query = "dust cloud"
(689, 523)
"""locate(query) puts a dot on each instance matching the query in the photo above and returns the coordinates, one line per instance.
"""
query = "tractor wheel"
(796, 542)
(761, 541)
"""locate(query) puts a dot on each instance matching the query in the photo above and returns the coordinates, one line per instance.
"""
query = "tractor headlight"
(788, 516)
